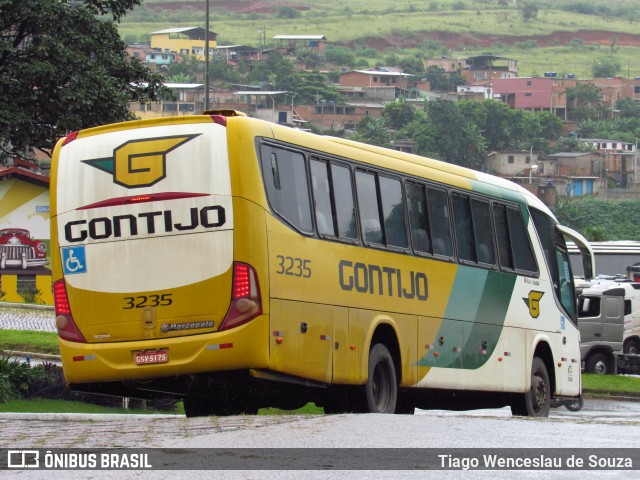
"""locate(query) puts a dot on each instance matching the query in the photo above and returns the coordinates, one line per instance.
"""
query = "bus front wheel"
(381, 388)
(537, 401)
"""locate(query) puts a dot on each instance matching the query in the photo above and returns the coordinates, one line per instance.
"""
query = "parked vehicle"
(603, 310)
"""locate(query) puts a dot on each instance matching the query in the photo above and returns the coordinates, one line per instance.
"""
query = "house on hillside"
(293, 44)
(189, 100)
(184, 41)
(379, 84)
(24, 233)
(153, 57)
(484, 69)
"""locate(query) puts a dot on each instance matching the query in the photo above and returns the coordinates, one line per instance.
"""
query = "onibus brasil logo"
(140, 163)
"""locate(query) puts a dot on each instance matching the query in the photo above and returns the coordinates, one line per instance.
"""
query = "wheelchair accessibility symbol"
(74, 260)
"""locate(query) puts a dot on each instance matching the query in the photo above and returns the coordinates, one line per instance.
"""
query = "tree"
(63, 67)
(606, 67)
(528, 10)
(373, 131)
(438, 80)
(398, 114)
(584, 101)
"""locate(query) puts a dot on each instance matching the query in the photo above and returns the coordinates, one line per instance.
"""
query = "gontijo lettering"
(377, 280)
(105, 227)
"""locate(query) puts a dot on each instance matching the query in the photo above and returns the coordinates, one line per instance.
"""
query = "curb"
(26, 306)
(39, 356)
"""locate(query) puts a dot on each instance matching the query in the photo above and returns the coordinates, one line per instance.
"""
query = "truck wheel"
(381, 389)
(632, 346)
(598, 363)
(537, 401)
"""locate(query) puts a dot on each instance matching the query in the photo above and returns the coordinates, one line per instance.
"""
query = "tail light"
(67, 328)
(245, 297)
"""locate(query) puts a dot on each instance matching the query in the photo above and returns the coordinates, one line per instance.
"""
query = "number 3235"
(293, 266)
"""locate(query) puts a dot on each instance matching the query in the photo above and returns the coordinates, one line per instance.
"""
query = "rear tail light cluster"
(67, 328)
(246, 303)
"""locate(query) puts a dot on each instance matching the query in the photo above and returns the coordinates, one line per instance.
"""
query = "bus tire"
(381, 389)
(598, 363)
(537, 401)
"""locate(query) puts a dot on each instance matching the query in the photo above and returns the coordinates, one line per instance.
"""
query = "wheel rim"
(380, 386)
(633, 348)
(600, 367)
(540, 392)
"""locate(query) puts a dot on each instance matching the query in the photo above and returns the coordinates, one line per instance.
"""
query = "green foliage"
(398, 114)
(595, 234)
(7, 390)
(288, 13)
(606, 67)
(29, 341)
(584, 101)
(619, 219)
(526, 44)
(340, 56)
(528, 10)
(373, 131)
(31, 295)
(64, 68)
(19, 374)
(438, 80)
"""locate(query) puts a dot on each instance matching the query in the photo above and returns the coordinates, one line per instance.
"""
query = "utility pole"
(206, 56)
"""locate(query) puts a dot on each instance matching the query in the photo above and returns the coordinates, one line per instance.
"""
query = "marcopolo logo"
(140, 163)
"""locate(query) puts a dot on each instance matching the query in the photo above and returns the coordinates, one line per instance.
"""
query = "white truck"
(609, 323)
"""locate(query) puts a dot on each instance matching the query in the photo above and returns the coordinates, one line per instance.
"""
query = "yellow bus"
(240, 264)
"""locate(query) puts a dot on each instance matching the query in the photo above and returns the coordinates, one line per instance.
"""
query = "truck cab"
(601, 311)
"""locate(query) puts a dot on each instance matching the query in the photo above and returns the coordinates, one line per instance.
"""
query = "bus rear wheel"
(537, 401)
(381, 389)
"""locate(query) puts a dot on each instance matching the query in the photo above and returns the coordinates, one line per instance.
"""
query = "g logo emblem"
(533, 302)
(140, 163)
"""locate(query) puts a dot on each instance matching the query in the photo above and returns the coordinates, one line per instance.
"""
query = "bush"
(19, 374)
(7, 392)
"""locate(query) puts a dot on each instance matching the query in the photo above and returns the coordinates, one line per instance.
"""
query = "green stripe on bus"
(474, 320)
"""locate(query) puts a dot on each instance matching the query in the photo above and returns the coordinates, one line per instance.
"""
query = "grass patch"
(308, 409)
(43, 405)
(29, 341)
(610, 385)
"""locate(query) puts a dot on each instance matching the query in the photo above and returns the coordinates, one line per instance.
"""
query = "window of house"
(511, 159)
(528, 94)
(528, 83)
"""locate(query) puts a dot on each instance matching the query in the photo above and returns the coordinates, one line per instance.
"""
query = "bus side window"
(439, 222)
(344, 205)
(393, 212)
(418, 220)
(322, 197)
(368, 207)
(483, 232)
(463, 221)
(505, 254)
(285, 179)
(522, 252)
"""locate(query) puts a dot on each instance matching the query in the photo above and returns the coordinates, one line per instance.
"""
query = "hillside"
(560, 37)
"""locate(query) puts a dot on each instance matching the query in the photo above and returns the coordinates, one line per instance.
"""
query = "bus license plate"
(155, 356)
